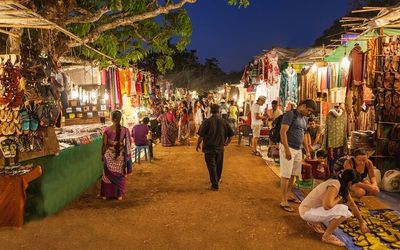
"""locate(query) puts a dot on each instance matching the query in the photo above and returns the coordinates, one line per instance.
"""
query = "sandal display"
(388, 81)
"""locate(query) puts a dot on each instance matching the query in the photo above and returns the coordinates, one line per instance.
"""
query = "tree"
(124, 29)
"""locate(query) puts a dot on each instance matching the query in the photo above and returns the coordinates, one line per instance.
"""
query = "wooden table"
(12, 197)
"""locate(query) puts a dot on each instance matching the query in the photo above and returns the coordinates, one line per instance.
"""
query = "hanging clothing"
(335, 129)
(356, 67)
(288, 87)
(324, 78)
(272, 73)
(371, 63)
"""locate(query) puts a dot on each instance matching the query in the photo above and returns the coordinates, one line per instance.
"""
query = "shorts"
(256, 130)
(319, 214)
(292, 167)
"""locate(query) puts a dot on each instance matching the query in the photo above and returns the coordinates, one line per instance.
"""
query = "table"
(65, 177)
(12, 197)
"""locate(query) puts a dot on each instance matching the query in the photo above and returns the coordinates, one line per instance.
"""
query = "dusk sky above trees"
(234, 35)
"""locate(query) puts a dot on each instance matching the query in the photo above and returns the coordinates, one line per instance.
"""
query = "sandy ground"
(168, 206)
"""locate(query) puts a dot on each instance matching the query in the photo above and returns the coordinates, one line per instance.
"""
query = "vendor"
(365, 168)
(313, 134)
(275, 113)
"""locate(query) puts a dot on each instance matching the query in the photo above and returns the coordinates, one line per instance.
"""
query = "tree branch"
(87, 17)
(94, 34)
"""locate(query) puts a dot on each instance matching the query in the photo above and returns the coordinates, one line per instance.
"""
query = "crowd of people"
(299, 139)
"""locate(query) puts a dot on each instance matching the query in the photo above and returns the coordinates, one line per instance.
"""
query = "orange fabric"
(122, 80)
(12, 197)
(128, 82)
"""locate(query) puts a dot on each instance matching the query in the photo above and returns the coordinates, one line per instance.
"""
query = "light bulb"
(313, 68)
(345, 62)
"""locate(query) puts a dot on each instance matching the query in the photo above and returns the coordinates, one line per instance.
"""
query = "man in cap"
(257, 121)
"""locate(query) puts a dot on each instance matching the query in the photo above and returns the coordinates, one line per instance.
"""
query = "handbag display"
(391, 181)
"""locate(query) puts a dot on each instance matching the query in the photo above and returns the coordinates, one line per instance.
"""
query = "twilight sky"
(235, 35)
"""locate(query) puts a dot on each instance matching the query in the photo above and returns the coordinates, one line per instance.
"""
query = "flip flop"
(317, 227)
(332, 239)
(294, 200)
(287, 208)
(256, 153)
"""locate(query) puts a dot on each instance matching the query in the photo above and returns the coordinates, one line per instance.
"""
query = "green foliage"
(243, 3)
(163, 35)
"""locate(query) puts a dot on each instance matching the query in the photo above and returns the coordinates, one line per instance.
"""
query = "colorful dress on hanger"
(272, 73)
(288, 87)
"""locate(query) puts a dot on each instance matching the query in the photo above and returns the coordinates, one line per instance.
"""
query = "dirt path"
(169, 207)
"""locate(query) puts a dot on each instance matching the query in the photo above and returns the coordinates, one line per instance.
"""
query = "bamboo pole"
(8, 33)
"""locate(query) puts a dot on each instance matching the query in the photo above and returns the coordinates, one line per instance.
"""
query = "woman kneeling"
(323, 204)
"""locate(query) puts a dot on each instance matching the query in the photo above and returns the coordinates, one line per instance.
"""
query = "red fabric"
(138, 83)
(356, 67)
(119, 94)
(12, 197)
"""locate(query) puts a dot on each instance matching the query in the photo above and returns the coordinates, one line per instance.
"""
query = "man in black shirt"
(215, 133)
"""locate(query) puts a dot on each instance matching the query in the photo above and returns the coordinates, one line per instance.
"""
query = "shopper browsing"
(257, 120)
(290, 149)
(326, 204)
(364, 168)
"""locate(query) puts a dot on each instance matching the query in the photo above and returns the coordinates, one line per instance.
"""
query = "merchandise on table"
(384, 228)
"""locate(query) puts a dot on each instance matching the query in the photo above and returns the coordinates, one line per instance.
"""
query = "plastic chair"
(138, 151)
(245, 131)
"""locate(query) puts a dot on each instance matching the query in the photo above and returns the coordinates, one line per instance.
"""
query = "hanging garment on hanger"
(371, 62)
(335, 129)
(119, 89)
(112, 88)
(288, 86)
(324, 78)
(138, 83)
(133, 81)
(272, 73)
(356, 67)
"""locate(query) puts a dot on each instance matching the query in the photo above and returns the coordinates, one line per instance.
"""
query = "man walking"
(215, 133)
(257, 120)
(290, 149)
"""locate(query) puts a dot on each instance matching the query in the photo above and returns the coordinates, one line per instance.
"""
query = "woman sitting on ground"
(323, 205)
(364, 168)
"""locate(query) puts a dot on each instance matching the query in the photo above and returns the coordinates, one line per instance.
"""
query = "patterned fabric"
(271, 72)
(335, 129)
(288, 88)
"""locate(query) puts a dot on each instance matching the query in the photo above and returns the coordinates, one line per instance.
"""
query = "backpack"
(275, 132)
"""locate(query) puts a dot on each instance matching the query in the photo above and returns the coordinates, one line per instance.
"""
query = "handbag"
(391, 181)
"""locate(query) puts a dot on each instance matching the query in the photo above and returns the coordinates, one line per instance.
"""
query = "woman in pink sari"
(115, 158)
(168, 128)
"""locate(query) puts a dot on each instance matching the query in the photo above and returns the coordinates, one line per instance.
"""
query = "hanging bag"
(391, 181)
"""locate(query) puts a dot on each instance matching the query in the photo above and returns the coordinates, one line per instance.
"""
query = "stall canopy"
(83, 75)
(312, 55)
(285, 54)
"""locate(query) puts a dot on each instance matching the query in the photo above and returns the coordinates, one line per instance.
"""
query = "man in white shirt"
(257, 120)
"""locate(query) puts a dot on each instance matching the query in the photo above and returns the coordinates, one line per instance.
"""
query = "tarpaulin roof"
(343, 50)
(312, 55)
(285, 54)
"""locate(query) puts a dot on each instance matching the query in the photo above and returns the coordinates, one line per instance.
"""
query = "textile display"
(12, 197)
(335, 129)
(288, 87)
(356, 58)
(308, 84)
(371, 62)
(272, 73)
(65, 177)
